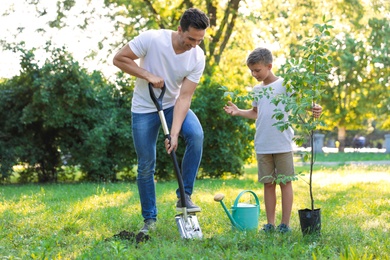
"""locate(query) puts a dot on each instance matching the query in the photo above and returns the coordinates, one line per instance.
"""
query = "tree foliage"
(306, 77)
(59, 114)
(361, 72)
(228, 141)
(360, 55)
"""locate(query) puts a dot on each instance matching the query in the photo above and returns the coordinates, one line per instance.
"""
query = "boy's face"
(260, 71)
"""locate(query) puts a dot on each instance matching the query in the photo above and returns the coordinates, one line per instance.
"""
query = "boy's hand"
(231, 109)
(317, 110)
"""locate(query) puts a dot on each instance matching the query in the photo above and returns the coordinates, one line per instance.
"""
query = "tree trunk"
(341, 137)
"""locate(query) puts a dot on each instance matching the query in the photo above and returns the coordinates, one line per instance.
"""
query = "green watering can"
(244, 216)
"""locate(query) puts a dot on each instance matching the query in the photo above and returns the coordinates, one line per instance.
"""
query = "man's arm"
(125, 60)
(182, 106)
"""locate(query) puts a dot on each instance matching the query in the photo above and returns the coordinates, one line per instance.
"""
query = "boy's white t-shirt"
(268, 139)
(156, 53)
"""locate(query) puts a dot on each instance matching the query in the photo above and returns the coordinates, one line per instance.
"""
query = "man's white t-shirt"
(268, 139)
(156, 53)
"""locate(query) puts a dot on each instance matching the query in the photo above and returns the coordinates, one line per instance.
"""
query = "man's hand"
(171, 145)
(157, 82)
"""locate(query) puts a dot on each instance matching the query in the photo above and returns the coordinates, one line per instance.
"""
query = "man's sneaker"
(268, 228)
(149, 224)
(191, 207)
(283, 228)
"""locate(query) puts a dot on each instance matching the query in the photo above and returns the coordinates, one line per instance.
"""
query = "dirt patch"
(130, 236)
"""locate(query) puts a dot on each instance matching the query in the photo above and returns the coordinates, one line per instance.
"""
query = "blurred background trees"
(63, 109)
(58, 115)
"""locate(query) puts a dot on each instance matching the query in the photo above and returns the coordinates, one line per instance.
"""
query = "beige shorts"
(272, 165)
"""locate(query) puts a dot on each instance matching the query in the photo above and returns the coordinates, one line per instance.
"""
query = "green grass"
(345, 157)
(71, 221)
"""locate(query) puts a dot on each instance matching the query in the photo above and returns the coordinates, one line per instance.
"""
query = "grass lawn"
(72, 221)
(352, 157)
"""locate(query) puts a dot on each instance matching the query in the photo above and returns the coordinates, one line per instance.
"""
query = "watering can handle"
(242, 193)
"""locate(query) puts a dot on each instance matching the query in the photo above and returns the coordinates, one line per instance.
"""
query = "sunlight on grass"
(103, 200)
(27, 205)
(349, 174)
(375, 223)
(325, 179)
(72, 221)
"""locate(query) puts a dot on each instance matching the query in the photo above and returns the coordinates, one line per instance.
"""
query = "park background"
(64, 124)
(59, 109)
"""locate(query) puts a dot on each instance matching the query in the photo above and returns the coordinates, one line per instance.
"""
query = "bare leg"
(270, 201)
(287, 202)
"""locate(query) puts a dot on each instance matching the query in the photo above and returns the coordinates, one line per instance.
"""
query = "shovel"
(187, 224)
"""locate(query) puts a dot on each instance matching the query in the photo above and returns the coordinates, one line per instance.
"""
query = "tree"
(236, 28)
(379, 69)
(306, 78)
(361, 71)
(360, 38)
(345, 96)
(59, 114)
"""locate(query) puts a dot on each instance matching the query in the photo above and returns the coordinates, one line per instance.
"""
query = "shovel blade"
(188, 228)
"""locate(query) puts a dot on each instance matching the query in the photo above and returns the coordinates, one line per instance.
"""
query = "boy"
(273, 147)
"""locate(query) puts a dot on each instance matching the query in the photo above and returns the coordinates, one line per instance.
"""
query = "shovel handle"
(157, 100)
(158, 103)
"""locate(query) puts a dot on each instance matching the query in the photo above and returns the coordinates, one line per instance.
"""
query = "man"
(172, 58)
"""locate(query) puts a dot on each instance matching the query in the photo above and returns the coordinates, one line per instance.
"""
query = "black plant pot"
(310, 221)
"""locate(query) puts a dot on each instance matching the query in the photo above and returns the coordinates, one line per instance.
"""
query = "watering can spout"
(219, 198)
(244, 216)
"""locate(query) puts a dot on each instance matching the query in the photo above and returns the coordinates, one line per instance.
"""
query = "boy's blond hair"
(260, 55)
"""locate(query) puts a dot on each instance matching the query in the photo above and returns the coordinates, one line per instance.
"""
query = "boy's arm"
(233, 110)
(316, 110)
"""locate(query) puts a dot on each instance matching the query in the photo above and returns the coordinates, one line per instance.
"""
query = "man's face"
(191, 38)
(260, 71)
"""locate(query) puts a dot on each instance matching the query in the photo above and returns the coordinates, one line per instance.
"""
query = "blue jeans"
(145, 133)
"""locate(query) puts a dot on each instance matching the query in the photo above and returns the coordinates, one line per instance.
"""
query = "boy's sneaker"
(283, 228)
(268, 228)
(191, 207)
(149, 224)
